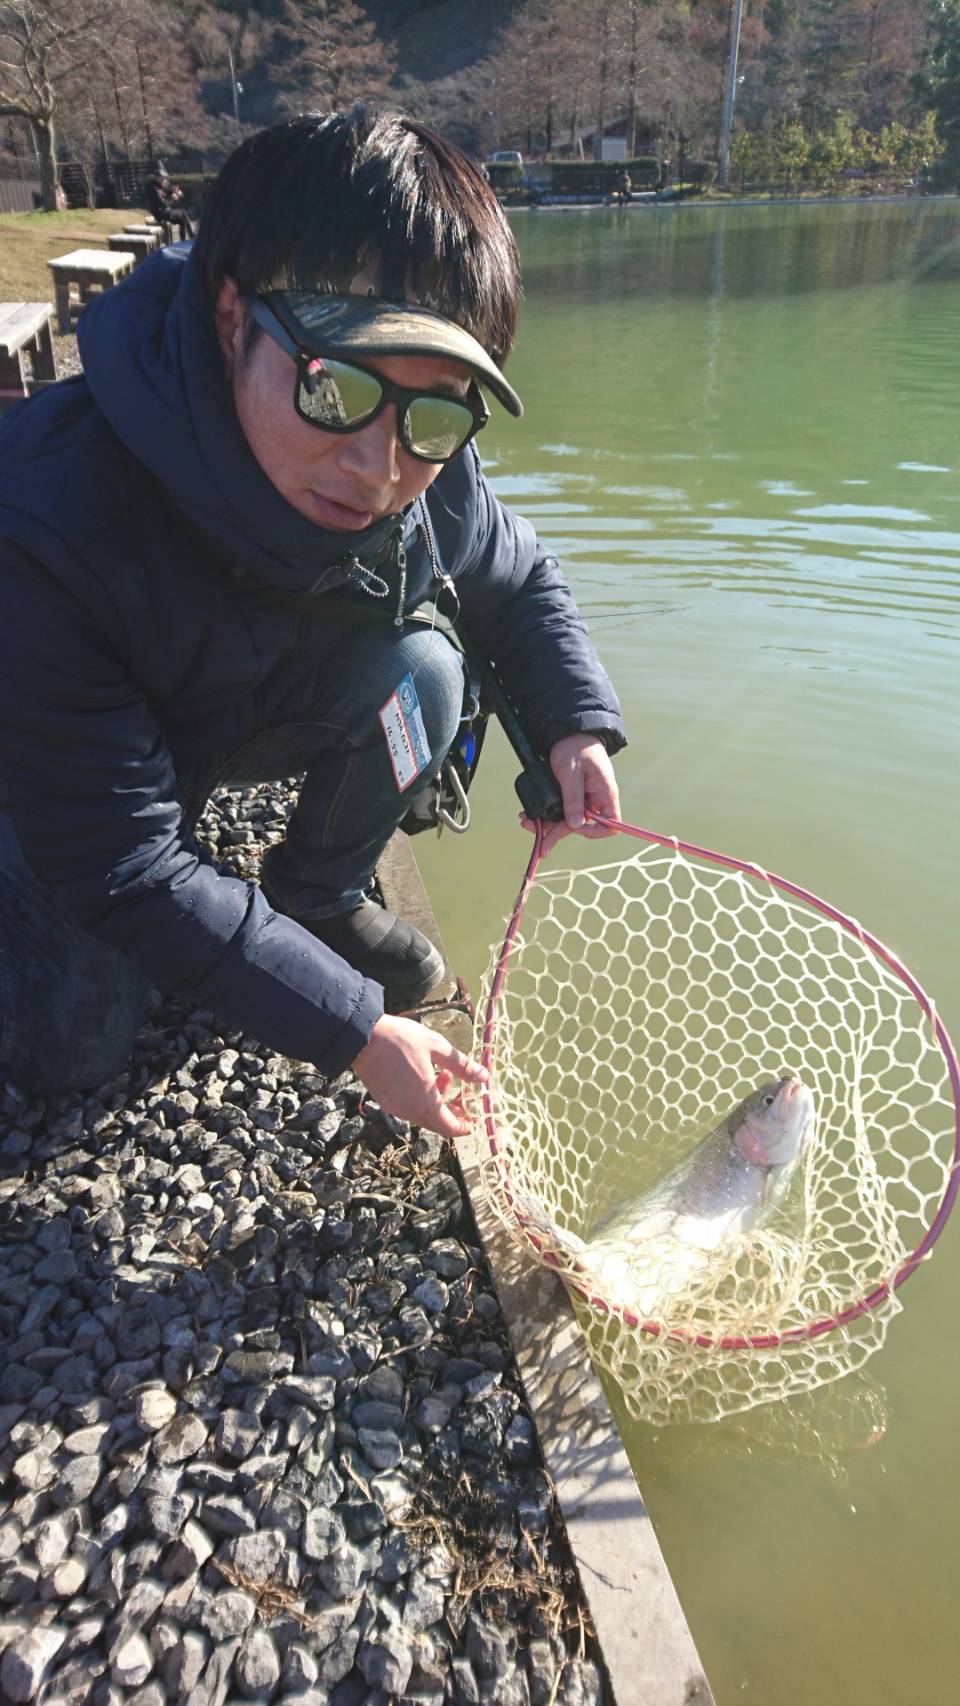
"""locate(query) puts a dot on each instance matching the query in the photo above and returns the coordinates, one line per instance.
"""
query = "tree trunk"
(121, 115)
(47, 150)
(148, 134)
(632, 76)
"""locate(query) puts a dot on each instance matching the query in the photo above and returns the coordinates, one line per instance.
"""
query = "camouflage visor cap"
(362, 326)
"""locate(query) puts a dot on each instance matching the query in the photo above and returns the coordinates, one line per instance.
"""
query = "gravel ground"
(261, 1435)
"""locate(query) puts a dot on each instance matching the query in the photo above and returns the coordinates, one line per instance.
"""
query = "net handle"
(766, 1341)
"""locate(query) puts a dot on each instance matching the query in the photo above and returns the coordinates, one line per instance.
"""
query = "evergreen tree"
(940, 80)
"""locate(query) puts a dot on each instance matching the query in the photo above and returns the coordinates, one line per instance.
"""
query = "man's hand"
(409, 1069)
(585, 777)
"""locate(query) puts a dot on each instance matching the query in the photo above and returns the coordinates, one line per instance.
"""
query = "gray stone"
(257, 1665)
(228, 1614)
(300, 1668)
(224, 1514)
(151, 1694)
(338, 1659)
(424, 1603)
(432, 1295)
(27, 1660)
(283, 1509)
(182, 1666)
(314, 1451)
(168, 1511)
(318, 1391)
(447, 1258)
(541, 1673)
(154, 1408)
(341, 1573)
(84, 1442)
(35, 1471)
(382, 1450)
(580, 1684)
(75, 1374)
(258, 1555)
(138, 1335)
(486, 1649)
(433, 1413)
(140, 1606)
(84, 1635)
(19, 1384)
(371, 1413)
(239, 1433)
(213, 1689)
(76, 1480)
(59, 1268)
(115, 1523)
(189, 1554)
(384, 1385)
(68, 1578)
(323, 1533)
(20, 1583)
(132, 1662)
(387, 1661)
(180, 1439)
(466, 1689)
(483, 1385)
(300, 1423)
(40, 1309)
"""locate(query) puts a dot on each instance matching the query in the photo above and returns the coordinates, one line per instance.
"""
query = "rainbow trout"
(652, 1245)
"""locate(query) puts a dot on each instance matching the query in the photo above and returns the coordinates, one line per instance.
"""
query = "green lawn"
(29, 240)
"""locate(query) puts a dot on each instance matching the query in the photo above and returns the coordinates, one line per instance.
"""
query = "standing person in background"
(213, 549)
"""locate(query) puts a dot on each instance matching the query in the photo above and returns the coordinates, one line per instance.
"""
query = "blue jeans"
(71, 1006)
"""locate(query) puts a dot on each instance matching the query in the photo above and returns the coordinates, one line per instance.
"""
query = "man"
(164, 203)
(210, 548)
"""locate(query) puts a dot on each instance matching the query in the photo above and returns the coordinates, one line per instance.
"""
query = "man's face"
(342, 481)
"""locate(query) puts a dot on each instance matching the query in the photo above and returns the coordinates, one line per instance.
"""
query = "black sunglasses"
(342, 396)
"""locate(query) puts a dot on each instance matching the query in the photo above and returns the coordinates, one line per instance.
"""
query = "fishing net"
(630, 1008)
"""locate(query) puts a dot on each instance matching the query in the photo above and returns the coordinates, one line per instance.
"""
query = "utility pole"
(723, 167)
(234, 85)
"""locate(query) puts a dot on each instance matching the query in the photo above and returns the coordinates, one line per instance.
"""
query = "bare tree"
(45, 45)
(333, 54)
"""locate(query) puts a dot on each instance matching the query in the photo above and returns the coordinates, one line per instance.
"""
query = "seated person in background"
(164, 203)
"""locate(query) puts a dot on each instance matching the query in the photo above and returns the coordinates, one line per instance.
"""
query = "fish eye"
(769, 1100)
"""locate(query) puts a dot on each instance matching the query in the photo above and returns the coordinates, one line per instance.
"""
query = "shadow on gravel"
(260, 1429)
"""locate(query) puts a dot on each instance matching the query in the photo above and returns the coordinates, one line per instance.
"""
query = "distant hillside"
(434, 39)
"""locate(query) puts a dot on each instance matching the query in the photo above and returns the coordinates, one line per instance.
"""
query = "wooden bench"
(90, 270)
(26, 342)
(140, 243)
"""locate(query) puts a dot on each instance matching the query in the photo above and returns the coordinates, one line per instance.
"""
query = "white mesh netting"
(642, 1001)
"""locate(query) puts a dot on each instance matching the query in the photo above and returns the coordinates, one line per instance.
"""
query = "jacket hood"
(153, 364)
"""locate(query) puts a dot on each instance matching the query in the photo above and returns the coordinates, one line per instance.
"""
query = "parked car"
(505, 157)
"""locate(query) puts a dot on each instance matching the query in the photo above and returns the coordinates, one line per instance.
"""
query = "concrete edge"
(646, 1644)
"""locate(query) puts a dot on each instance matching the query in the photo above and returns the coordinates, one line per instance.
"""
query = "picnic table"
(90, 270)
(26, 350)
(142, 243)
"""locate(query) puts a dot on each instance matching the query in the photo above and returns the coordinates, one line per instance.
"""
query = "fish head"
(771, 1126)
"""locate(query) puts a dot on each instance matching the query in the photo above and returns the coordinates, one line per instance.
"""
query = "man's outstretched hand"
(409, 1069)
(585, 777)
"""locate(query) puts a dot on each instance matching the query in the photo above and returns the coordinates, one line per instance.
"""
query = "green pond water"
(742, 439)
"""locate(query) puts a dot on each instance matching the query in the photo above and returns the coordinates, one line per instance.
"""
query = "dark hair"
(314, 201)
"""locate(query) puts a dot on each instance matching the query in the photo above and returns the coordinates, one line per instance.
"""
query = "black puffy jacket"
(141, 549)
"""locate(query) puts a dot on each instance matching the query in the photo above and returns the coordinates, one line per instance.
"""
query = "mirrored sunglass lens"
(335, 394)
(437, 427)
